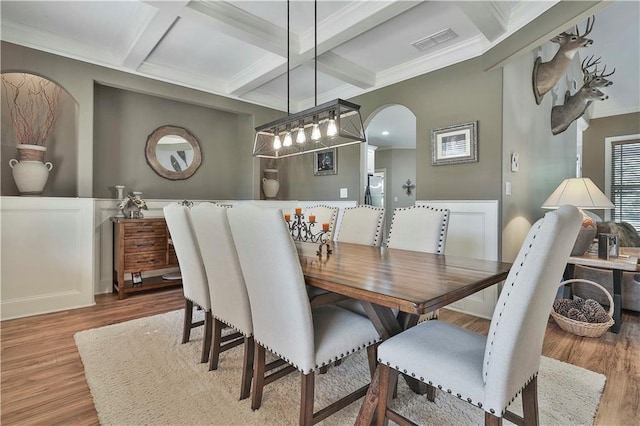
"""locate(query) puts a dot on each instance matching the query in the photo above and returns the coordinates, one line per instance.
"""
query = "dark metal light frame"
(348, 123)
(348, 120)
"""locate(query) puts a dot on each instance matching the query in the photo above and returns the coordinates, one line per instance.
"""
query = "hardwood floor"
(43, 378)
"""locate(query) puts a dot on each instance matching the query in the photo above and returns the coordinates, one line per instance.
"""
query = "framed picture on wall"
(454, 144)
(325, 162)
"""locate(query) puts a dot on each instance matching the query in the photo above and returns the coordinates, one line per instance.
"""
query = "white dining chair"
(489, 371)
(283, 321)
(362, 224)
(228, 293)
(194, 277)
(420, 228)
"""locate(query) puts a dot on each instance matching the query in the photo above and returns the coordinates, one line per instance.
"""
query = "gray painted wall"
(297, 181)
(78, 79)
(124, 120)
(545, 159)
(457, 94)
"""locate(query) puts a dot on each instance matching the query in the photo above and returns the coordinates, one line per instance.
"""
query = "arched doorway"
(391, 147)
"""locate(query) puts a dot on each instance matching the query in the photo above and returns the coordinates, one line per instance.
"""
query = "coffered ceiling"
(238, 49)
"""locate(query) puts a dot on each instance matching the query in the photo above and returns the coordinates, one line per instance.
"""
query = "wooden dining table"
(384, 279)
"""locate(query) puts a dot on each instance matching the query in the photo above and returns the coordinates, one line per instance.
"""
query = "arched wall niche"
(391, 128)
(62, 143)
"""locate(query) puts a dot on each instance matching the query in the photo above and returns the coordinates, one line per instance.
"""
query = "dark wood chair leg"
(258, 376)
(247, 368)
(216, 337)
(431, 393)
(386, 385)
(306, 398)
(530, 403)
(206, 340)
(372, 354)
(188, 318)
(491, 420)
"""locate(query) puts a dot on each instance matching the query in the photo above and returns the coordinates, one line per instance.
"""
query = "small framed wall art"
(454, 144)
(325, 162)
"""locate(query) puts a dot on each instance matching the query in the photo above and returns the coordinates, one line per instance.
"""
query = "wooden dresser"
(141, 245)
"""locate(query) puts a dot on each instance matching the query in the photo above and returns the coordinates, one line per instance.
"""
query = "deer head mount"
(547, 74)
(575, 105)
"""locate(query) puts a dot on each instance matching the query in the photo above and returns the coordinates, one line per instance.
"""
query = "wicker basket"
(587, 329)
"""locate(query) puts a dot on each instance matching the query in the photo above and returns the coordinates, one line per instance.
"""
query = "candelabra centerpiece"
(302, 230)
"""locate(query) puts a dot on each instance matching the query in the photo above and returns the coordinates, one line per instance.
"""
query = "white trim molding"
(473, 232)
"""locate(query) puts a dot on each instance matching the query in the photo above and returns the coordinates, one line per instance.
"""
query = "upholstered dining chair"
(229, 299)
(323, 214)
(419, 228)
(490, 371)
(283, 321)
(194, 277)
(228, 293)
(362, 224)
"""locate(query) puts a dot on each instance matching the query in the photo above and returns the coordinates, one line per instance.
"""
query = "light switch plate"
(343, 193)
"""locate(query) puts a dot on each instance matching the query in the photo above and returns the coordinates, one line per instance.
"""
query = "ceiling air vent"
(434, 39)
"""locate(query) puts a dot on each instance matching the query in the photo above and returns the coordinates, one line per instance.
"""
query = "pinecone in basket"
(561, 306)
(591, 308)
(601, 317)
(576, 314)
(577, 303)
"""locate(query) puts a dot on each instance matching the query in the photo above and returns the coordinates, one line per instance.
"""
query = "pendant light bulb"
(315, 133)
(332, 129)
(287, 137)
(301, 136)
(276, 141)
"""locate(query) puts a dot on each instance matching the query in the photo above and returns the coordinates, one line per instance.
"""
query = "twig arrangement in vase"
(32, 107)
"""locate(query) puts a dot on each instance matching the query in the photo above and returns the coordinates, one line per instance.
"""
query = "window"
(625, 180)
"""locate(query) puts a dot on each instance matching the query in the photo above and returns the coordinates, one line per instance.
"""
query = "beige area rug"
(139, 373)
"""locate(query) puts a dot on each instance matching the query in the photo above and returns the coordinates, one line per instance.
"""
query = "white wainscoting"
(47, 255)
(473, 232)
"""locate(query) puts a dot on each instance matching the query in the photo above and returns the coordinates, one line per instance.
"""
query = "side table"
(627, 261)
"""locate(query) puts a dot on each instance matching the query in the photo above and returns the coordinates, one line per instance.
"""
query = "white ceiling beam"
(237, 23)
(155, 29)
(348, 23)
(491, 17)
(342, 69)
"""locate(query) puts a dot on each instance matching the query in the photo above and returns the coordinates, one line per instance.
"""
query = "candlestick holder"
(324, 242)
(303, 231)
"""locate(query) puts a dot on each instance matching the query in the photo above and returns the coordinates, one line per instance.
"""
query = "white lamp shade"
(579, 192)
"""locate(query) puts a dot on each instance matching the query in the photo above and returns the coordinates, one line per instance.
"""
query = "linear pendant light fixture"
(330, 125)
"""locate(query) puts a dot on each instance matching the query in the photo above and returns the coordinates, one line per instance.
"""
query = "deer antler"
(589, 62)
(588, 28)
(602, 74)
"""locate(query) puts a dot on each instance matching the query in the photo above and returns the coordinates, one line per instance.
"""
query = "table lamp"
(584, 194)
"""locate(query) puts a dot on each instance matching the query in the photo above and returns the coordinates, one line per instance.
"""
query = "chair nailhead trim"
(488, 357)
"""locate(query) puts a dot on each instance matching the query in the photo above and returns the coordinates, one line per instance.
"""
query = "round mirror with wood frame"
(173, 152)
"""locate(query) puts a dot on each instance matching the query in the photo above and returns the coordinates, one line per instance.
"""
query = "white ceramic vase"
(270, 187)
(270, 183)
(30, 176)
